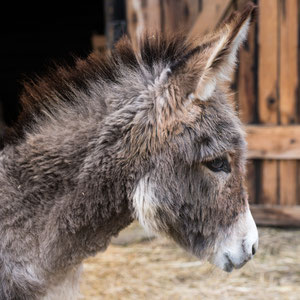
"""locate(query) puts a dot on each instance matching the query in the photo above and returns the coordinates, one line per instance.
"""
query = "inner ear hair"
(178, 65)
(236, 27)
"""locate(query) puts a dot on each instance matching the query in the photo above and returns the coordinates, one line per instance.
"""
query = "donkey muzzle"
(238, 246)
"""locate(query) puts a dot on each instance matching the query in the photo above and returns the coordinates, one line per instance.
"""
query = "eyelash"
(219, 164)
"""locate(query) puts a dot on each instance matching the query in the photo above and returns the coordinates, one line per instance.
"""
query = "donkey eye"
(218, 165)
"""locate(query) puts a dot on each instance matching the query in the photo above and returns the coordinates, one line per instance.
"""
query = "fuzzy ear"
(220, 56)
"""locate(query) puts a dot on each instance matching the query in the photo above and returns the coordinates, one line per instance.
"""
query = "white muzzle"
(239, 244)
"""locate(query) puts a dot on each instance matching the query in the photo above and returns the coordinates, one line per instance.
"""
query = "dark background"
(35, 36)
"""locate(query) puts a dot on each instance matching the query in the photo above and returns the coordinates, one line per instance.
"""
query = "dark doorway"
(35, 36)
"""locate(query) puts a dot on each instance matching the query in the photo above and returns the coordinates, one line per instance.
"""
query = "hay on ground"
(159, 269)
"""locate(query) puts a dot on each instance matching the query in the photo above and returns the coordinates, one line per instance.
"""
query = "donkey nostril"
(253, 249)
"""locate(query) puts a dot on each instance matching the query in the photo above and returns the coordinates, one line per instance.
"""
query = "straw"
(159, 269)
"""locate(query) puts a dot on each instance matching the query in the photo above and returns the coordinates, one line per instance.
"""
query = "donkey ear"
(220, 56)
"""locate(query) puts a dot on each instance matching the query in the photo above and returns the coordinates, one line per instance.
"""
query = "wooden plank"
(133, 19)
(273, 142)
(268, 62)
(288, 61)
(246, 82)
(285, 216)
(142, 16)
(153, 16)
(209, 17)
(288, 182)
(160, 16)
(269, 182)
(179, 15)
(246, 96)
(268, 90)
(288, 84)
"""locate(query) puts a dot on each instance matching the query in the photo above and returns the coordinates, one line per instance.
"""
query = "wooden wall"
(267, 86)
(271, 108)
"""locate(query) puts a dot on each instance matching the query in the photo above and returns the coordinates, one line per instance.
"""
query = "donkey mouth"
(229, 265)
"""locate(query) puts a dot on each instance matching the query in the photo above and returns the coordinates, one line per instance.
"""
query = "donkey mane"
(65, 85)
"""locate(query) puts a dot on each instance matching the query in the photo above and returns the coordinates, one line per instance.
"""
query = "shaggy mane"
(62, 83)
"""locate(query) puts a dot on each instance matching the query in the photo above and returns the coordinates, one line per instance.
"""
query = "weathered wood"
(288, 84)
(279, 215)
(141, 16)
(160, 16)
(288, 182)
(246, 82)
(268, 62)
(273, 142)
(269, 182)
(210, 16)
(288, 61)
(246, 97)
(179, 15)
(268, 90)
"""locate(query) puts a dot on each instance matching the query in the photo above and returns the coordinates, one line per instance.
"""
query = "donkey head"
(194, 189)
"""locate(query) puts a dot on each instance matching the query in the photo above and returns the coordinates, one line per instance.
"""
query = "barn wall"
(267, 86)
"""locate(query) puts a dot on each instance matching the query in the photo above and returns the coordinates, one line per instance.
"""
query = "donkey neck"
(64, 181)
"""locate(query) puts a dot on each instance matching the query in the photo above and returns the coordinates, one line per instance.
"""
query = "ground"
(159, 269)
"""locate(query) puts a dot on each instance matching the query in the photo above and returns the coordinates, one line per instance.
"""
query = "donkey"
(145, 134)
